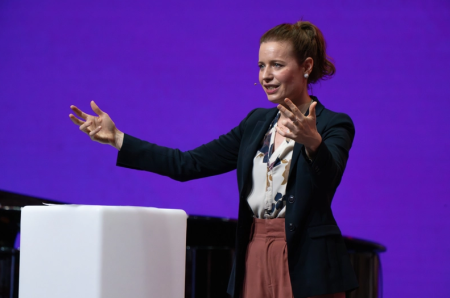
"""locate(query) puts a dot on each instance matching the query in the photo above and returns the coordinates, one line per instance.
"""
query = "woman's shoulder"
(331, 121)
(332, 116)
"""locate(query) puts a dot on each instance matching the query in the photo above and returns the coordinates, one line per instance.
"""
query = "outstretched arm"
(216, 157)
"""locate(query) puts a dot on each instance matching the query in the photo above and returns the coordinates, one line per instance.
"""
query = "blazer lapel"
(257, 135)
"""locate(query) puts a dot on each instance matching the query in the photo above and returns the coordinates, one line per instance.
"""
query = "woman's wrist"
(118, 139)
(311, 149)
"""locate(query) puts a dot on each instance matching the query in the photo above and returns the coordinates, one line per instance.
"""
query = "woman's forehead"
(276, 50)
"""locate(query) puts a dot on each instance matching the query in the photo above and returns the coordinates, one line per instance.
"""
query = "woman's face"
(280, 74)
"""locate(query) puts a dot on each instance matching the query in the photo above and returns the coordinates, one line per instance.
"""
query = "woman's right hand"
(99, 128)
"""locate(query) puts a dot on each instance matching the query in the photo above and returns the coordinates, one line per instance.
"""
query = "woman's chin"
(276, 100)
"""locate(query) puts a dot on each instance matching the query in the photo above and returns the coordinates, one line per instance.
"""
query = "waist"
(268, 228)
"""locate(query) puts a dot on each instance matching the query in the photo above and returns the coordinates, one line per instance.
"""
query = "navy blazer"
(317, 256)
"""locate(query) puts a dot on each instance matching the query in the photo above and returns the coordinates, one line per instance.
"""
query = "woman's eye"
(261, 66)
(277, 65)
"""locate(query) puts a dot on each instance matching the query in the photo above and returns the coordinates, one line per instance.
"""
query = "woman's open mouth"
(271, 89)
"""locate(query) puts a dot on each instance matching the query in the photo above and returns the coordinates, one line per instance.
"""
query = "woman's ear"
(308, 65)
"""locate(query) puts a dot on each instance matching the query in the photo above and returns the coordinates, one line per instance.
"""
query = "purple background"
(180, 73)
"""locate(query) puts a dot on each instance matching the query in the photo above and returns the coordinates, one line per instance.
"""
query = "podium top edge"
(100, 207)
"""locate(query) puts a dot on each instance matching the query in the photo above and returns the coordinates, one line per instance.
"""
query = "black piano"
(209, 253)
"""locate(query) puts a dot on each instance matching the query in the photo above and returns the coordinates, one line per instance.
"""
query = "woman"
(289, 162)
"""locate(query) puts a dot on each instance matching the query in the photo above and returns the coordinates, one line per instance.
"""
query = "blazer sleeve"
(216, 157)
(331, 158)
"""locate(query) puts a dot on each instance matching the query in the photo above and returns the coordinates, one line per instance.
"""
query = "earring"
(306, 75)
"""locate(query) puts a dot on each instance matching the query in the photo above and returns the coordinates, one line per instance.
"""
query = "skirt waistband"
(268, 228)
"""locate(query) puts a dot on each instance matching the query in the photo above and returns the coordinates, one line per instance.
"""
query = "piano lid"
(11, 199)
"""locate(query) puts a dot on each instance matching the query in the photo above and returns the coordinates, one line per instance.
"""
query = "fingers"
(280, 131)
(312, 109)
(96, 109)
(293, 108)
(285, 112)
(95, 131)
(288, 124)
(291, 120)
(79, 113)
(85, 127)
(75, 120)
(286, 132)
(301, 129)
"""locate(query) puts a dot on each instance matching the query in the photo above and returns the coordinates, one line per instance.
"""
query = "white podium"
(79, 251)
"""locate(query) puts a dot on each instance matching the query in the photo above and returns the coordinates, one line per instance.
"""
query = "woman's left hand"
(300, 128)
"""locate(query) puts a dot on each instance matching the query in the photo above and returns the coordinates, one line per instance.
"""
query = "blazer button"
(291, 199)
(291, 227)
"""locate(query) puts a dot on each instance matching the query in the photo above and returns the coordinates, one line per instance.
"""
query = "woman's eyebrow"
(272, 61)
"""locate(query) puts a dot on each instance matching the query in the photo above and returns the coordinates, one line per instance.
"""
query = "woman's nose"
(267, 75)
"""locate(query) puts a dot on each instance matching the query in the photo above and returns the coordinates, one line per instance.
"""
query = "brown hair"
(307, 41)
